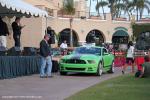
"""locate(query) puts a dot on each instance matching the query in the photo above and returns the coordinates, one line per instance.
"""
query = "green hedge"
(139, 28)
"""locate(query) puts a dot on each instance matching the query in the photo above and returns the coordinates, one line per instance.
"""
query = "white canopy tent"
(20, 8)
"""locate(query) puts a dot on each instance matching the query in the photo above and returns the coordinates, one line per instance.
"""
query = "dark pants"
(17, 40)
(138, 73)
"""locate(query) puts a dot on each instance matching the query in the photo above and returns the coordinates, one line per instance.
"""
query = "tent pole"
(46, 26)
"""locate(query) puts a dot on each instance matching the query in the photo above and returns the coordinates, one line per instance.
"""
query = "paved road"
(56, 88)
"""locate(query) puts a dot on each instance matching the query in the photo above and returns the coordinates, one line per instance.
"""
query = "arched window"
(95, 36)
(65, 35)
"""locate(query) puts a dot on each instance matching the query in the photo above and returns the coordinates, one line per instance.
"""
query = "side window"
(104, 51)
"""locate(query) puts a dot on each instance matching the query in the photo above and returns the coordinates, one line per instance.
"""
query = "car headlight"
(62, 61)
(91, 62)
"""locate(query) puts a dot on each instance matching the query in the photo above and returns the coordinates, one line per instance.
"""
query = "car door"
(106, 58)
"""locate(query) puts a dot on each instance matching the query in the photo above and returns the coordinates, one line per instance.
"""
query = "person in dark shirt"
(3, 33)
(52, 35)
(45, 53)
(16, 26)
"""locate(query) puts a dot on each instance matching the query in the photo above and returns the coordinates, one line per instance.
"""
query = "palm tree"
(68, 8)
(129, 7)
(118, 9)
(98, 9)
(124, 5)
(140, 5)
(146, 6)
(90, 8)
(101, 4)
(112, 7)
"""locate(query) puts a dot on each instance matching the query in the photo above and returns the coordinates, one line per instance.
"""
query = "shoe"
(42, 76)
(123, 72)
(49, 76)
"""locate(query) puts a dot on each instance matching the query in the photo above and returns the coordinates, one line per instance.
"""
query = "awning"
(120, 33)
(19, 8)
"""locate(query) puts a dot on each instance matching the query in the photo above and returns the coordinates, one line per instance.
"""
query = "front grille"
(75, 61)
(76, 69)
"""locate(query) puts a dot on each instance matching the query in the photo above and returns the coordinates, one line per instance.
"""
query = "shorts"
(129, 60)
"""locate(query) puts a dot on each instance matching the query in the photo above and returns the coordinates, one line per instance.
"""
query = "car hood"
(82, 56)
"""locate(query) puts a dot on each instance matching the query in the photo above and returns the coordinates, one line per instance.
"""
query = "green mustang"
(91, 59)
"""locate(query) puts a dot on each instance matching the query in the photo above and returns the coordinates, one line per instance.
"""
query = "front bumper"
(81, 68)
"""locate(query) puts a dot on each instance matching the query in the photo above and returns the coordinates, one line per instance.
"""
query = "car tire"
(63, 73)
(112, 70)
(99, 69)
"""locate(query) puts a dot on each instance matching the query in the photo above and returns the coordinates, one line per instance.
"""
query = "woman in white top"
(64, 47)
(129, 58)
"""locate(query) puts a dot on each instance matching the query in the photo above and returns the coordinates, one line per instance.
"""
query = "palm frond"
(120, 6)
(147, 8)
(68, 7)
(101, 4)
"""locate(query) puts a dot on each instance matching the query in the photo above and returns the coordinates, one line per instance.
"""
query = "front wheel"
(99, 69)
(63, 73)
(112, 68)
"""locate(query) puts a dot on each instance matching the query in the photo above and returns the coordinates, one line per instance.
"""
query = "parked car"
(87, 59)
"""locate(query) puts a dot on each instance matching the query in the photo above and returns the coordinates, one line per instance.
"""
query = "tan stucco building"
(82, 23)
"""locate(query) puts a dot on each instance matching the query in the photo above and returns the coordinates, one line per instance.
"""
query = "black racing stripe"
(78, 56)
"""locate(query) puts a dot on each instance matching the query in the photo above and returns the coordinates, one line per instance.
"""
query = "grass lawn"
(121, 88)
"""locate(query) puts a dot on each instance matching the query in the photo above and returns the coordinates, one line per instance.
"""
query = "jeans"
(46, 61)
(3, 41)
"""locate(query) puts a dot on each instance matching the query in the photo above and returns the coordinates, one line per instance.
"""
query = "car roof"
(91, 46)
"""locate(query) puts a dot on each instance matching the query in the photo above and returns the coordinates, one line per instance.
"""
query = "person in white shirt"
(64, 47)
(3, 33)
(129, 58)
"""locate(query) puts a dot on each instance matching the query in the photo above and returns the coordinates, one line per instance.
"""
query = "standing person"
(3, 33)
(45, 57)
(16, 26)
(64, 47)
(129, 58)
(51, 33)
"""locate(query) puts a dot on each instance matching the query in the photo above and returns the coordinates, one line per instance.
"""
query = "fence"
(98, 16)
(120, 57)
(83, 15)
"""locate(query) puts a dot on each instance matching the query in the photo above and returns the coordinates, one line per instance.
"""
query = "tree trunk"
(137, 16)
(141, 13)
(90, 9)
(112, 12)
(71, 33)
(119, 10)
(98, 9)
(103, 12)
(129, 15)
(119, 13)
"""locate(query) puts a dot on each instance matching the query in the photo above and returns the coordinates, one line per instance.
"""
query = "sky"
(93, 6)
(107, 10)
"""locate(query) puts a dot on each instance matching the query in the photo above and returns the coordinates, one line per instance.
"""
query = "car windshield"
(88, 50)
